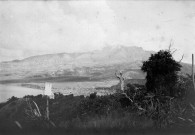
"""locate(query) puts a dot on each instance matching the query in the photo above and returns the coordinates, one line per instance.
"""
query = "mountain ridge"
(98, 64)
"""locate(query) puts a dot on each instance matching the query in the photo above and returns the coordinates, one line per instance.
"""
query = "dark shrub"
(161, 71)
(93, 95)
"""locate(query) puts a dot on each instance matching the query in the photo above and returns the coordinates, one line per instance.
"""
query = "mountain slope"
(100, 64)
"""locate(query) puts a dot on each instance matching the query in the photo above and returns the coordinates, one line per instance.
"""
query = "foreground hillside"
(97, 114)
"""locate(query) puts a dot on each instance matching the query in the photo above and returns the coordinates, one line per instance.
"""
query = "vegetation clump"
(161, 71)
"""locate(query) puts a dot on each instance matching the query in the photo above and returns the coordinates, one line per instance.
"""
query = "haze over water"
(7, 91)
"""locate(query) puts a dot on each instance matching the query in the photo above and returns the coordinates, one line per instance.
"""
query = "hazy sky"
(30, 28)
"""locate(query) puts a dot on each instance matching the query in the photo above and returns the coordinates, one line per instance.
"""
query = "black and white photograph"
(97, 67)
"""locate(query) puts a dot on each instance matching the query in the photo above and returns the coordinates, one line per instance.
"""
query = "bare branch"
(170, 45)
(127, 97)
(39, 113)
(120, 72)
(174, 51)
(181, 58)
(18, 124)
(117, 75)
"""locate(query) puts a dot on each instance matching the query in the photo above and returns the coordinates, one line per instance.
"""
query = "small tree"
(161, 71)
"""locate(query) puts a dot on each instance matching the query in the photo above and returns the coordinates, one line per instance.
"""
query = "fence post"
(193, 71)
(48, 93)
(47, 108)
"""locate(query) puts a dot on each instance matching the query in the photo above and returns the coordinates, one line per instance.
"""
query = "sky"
(29, 28)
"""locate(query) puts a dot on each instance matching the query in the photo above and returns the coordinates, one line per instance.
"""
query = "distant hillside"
(95, 65)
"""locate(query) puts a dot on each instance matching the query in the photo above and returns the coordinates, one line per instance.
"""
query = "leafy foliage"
(166, 111)
(161, 71)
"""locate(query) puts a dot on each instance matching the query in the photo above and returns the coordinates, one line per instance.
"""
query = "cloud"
(152, 25)
(47, 27)
(39, 27)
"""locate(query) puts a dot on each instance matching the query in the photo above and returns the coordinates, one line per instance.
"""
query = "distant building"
(48, 90)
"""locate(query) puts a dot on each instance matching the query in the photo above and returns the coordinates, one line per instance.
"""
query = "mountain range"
(96, 65)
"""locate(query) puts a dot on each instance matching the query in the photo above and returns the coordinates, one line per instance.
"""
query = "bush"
(101, 105)
(161, 71)
(93, 95)
(13, 98)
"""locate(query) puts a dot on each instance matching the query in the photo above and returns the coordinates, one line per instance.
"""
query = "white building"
(48, 90)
